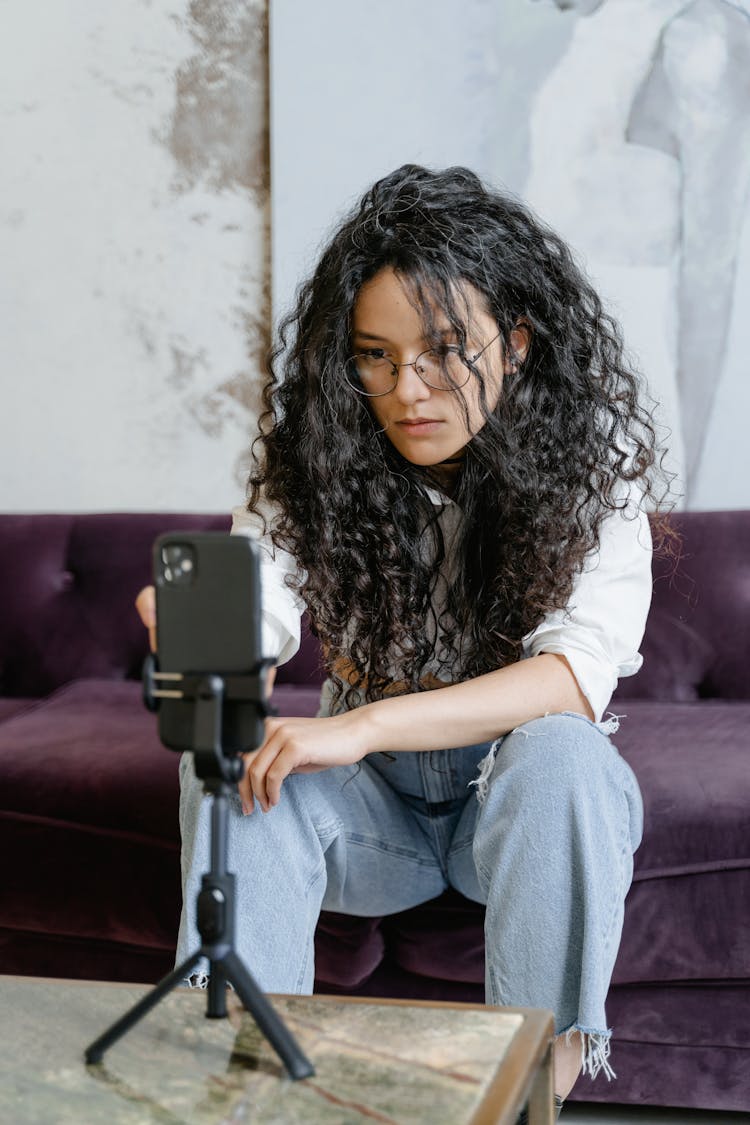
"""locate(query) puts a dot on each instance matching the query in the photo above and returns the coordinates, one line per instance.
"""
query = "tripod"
(215, 901)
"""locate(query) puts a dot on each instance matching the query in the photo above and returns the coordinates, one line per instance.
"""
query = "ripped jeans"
(541, 825)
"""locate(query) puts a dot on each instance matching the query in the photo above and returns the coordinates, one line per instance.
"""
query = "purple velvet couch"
(88, 806)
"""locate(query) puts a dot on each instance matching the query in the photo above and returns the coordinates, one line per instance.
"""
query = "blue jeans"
(540, 825)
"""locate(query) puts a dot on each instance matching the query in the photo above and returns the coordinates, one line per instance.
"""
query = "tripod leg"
(271, 1024)
(95, 1050)
(217, 992)
(216, 927)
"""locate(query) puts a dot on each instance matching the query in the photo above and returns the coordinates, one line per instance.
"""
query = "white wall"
(358, 89)
(133, 237)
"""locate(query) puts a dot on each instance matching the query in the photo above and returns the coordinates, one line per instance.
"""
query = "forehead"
(393, 299)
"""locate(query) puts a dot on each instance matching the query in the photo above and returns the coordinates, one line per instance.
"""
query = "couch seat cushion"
(90, 755)
(688, 910)
(10, 707)
(89, 798)
(692, 761)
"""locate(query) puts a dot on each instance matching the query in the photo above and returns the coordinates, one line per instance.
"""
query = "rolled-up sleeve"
(600, 630)
(282, 607)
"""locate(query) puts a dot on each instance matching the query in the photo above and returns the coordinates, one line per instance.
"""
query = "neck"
(445, 474)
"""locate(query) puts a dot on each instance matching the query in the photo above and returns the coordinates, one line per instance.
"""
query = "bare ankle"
(568, 1053)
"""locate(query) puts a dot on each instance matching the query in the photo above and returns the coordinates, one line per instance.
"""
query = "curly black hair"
(568, 431)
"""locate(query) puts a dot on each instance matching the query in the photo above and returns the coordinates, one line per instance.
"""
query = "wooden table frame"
(525, 1074)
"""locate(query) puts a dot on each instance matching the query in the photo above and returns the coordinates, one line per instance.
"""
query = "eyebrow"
(448, 331)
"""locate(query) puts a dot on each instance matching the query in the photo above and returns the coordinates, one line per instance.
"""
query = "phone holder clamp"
(209, 693)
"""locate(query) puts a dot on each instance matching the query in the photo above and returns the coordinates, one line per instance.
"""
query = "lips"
(418, 423)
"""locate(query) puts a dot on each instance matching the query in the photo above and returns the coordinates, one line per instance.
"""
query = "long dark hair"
(568, 432)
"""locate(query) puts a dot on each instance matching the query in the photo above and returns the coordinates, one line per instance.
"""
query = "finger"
(145, 603)
(271, 725)
(277, 773)
(262, 761)
(244, 787)
(277, 734)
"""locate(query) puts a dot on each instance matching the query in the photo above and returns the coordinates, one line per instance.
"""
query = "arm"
(282, 607)
(601, 628)
(475, 711)
(457, 715)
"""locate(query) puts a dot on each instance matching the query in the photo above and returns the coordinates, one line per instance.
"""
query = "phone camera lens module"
(178, 562)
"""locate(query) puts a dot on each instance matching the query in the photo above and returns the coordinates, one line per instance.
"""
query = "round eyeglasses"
(446, 368)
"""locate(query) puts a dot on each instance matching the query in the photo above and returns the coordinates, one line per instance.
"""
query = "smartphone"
(208, 621)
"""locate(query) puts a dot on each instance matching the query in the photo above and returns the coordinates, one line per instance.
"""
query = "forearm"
(459, 715)
(474, 711)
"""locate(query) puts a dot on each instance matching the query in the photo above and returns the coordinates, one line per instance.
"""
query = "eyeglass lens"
(372, 374)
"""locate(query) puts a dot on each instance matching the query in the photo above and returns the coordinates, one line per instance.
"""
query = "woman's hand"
(145, 603)
(299, 746)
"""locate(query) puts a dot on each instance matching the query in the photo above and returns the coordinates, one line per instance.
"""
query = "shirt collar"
(439, 498)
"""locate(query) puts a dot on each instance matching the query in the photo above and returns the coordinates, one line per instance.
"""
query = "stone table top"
(375, 1061)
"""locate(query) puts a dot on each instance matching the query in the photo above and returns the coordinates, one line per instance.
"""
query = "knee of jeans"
(550, 757)
(559, 745)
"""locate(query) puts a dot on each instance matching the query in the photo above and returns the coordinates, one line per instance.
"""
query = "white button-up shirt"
(598, 632)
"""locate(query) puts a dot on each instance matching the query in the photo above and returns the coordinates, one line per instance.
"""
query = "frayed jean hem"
(595, 1050)
(196, 980)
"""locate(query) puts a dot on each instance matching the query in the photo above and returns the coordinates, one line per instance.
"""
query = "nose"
(409, 387)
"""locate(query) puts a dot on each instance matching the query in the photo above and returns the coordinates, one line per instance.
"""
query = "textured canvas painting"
(625, 124)
(640, 155)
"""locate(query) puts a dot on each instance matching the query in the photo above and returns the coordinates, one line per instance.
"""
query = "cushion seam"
(93, 829)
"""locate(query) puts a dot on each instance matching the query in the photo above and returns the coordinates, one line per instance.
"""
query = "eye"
(374, 359)
(445, 351)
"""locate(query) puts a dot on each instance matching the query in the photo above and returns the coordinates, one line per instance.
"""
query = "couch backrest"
(67, 584)
(697, 643)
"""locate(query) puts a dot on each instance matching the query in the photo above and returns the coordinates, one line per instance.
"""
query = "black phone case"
(209, 623)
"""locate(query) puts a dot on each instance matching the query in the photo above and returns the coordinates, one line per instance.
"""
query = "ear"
(520, 342)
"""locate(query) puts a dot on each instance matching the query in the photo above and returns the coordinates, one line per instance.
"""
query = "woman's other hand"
(145, 603)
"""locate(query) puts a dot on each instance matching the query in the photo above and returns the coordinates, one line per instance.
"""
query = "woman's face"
(426, 425)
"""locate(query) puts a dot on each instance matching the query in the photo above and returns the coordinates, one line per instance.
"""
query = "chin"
(423, 462)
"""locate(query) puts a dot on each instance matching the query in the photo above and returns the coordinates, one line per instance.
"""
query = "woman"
(454, 463)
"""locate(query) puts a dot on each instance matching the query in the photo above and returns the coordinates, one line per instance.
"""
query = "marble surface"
(398, 1065)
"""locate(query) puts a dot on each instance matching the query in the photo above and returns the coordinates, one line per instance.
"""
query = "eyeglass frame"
(413, 363)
